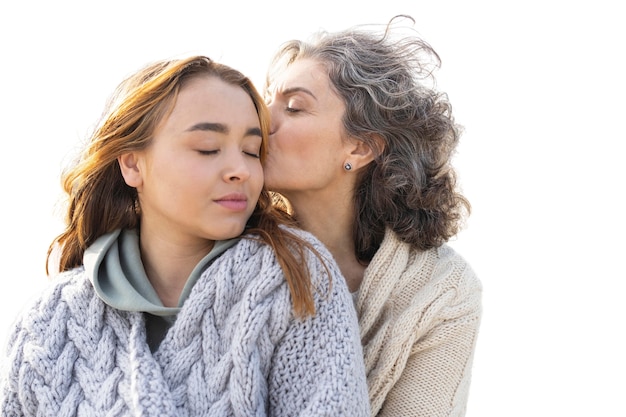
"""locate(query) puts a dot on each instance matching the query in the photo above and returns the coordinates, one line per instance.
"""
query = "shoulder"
(441, 264)
(449, 279)
(449, 262)
(306, 237)
(63, 297)
(64, 286)
(253, 265)
(401, 271)
(328, 285)
(43, 324)
(315, 254)
(324, 270)
(430, 286)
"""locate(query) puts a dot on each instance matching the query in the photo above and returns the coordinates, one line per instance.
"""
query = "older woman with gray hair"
(360, 148)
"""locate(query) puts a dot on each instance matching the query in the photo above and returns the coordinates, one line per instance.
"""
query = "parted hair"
(384, 75)
(99, 201)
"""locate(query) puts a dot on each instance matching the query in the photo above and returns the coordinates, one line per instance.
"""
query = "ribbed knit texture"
(234, 350)
(419, 313)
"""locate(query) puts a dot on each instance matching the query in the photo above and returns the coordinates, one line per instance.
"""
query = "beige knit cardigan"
(419, 314)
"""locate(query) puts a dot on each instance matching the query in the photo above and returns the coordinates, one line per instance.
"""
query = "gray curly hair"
(386, 83)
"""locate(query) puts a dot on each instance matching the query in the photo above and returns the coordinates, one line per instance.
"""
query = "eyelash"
(254, 155)
(291, 110)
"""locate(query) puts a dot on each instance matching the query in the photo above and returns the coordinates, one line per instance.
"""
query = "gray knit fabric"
(234, 350)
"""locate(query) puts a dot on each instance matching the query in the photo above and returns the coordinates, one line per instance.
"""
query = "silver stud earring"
(347, 166)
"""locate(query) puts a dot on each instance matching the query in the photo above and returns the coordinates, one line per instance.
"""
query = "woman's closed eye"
(295, 104)
(253, 154)
(208, 152)
(256, 155)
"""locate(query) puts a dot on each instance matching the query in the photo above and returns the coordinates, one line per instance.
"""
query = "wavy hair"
(99, 201)
(385, 78)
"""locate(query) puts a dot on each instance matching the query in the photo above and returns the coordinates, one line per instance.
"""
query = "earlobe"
(365, 152)
(130, 169)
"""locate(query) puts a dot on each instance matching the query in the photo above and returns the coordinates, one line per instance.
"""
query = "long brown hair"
(99, 201)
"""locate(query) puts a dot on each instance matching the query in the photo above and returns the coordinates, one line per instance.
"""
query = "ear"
(130, 169)
(362, 153)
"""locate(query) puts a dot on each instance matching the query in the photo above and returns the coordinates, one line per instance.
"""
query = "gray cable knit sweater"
(235, 349)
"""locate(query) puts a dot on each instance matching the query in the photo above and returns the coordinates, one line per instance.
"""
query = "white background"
(538, 86)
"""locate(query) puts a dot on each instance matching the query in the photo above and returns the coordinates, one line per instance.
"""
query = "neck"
(332, 222)
(168, 264)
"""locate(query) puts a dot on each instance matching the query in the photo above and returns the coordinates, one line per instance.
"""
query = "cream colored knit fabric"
(419, 314)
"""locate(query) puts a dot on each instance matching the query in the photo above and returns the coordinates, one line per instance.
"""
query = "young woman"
(161, 309)
(360, 147)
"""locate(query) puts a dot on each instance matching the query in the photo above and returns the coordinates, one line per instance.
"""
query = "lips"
(235, 202)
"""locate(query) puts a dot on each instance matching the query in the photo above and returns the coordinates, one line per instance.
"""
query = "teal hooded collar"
(113, 264)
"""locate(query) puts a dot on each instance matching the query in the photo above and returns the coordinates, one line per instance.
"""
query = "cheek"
(257, 177)
(196, 172)
(297, 146)
(294, 137)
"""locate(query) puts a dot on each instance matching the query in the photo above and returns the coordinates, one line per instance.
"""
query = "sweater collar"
(113, 264)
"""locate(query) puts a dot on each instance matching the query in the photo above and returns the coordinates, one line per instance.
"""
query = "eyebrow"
(293, 90)
(221, 128)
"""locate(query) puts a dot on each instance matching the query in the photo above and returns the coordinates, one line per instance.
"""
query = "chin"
(230, 232)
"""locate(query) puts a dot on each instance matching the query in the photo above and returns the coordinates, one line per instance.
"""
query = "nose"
(236, 168)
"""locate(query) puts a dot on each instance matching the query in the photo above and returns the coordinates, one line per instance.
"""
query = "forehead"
(307, 80)
(209, 99)
(203, 82)
(302, 72)
(212, 92)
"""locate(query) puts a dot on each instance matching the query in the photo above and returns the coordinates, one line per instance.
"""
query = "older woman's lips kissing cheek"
(233, 201)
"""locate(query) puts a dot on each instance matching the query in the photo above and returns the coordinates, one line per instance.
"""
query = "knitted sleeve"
(318, 368)
(435, 381)
(41, 327)
(9, 400)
